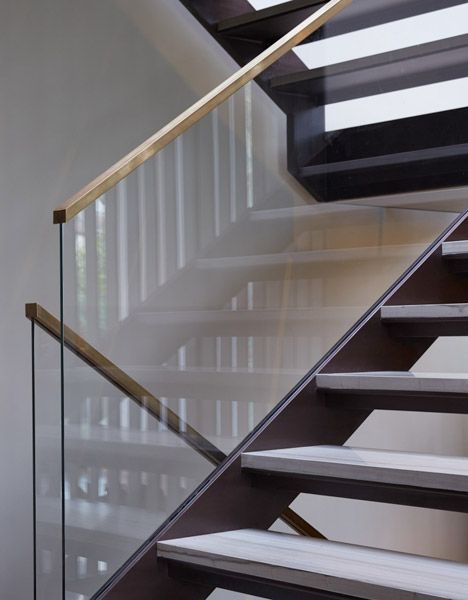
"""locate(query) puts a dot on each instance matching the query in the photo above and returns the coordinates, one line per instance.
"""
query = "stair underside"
(353, 571)
(270, 23)
(444, 155)
(382, 73)
(361, 464)
(414, 153)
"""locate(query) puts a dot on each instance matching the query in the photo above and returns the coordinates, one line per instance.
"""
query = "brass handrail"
(145, 399)
(197, 111)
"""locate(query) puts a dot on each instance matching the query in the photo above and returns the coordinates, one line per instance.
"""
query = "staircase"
(292, 452)
(330, 152)
(199, 286)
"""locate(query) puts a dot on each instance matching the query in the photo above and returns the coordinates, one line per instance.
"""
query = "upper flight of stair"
(424, 146)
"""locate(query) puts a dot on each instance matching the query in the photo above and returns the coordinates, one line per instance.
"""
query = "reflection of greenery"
(80, 262)
(101, 264)
(83, 295)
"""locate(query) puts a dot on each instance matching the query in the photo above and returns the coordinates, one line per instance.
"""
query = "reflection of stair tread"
(199, 383)
(250, 316)
(312, 257)
(307, 210)
(155, 447)
(168, 373)
(238, 376)
(98, 522)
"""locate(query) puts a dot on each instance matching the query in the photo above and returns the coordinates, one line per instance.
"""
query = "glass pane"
(48, 467)
(125, 471)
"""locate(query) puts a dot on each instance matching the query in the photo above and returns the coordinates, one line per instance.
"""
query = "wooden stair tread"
(424, 312)
(354, 571)
(455, 250)
(405, 381)
(380, 466)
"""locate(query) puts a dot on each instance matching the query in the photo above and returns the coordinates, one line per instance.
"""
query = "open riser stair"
(333, 155)
(323, 412)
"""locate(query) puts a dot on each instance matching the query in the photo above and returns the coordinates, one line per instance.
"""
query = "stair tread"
(386, 160)
(456, 249)
(365, 464)
(270, 23)
(393, 381)
(311, 256)
(413, 312)
(355, 571)
(382, 73)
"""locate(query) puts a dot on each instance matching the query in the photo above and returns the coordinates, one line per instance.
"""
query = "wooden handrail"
(145, 399)
(197, 111)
